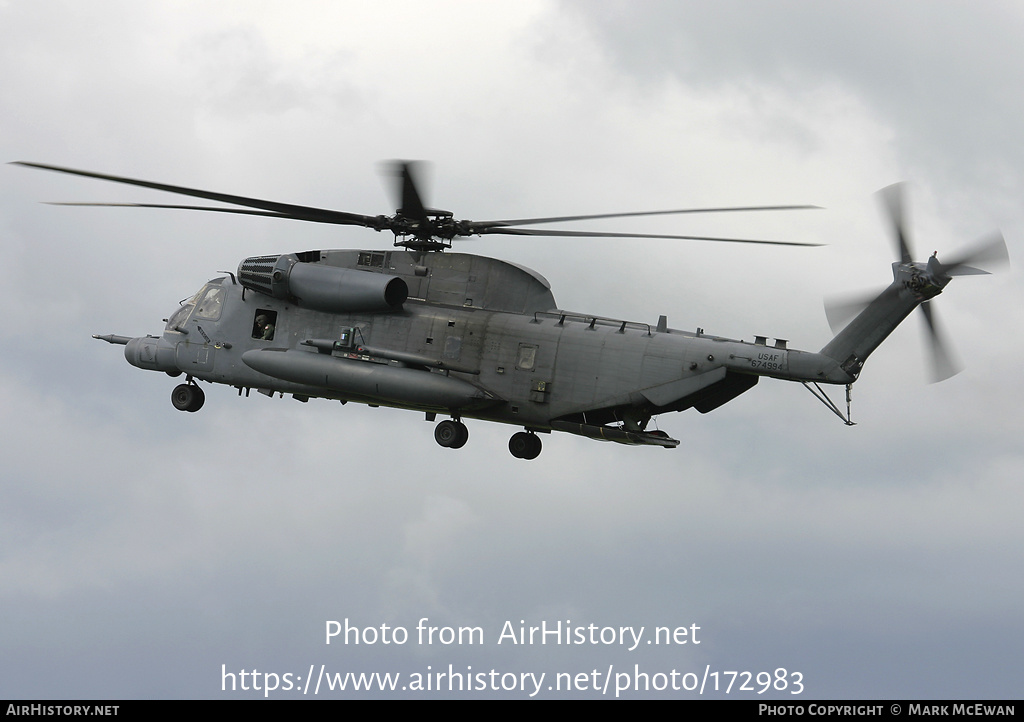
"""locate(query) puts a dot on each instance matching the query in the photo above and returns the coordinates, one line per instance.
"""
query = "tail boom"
(852, 346)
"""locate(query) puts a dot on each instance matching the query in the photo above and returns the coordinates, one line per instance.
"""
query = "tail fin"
(853, 344)
(914, 284)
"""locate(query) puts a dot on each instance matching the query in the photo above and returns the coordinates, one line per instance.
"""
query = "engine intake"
(322, 288)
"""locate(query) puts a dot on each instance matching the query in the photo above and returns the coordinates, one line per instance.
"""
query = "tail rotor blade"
(892, 200)
(966, 271)
(944, 365)
(975, 260)
(989, 251)
(840, 310)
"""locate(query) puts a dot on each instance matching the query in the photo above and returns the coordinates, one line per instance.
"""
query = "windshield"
(178, 317)
(211, 302)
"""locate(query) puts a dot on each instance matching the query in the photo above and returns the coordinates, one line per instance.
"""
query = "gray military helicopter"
(470, 337)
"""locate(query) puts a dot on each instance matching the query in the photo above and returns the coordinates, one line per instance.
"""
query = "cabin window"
(264, 324)
(527, 357)
(374, 259)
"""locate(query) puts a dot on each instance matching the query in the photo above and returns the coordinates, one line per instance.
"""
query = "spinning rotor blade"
(840, 310)
(425, 228)
(239, 211)
(600, 234)
(892, 199)
(990, 251)
(924, 280)
(236, 211)
(943, 364)
(480, 226)
(410, 203)
(284, 210)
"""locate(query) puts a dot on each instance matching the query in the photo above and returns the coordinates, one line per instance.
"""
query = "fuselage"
(475, 338)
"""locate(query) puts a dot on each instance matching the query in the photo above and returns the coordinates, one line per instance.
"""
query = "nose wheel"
(525, 445)
(188, 397)
(451, 434)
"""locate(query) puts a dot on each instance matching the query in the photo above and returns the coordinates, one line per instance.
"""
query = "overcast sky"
(141, 548)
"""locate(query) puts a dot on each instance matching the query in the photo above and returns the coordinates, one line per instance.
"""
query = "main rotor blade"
(407, 193)
(238, 211)
(892, 200)
(285, 210)
(599, 234)
(943, 364)
(412, 209)
(559, 219)
(990, 251)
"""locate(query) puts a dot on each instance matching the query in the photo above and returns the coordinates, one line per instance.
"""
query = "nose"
(148, 352)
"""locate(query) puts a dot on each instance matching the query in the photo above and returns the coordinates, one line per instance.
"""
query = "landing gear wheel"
(463, 435)
(525, 445)
(451, 434)
(188, 397)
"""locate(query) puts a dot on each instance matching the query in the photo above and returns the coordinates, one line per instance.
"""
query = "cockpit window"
(178, 317)
(211, 303)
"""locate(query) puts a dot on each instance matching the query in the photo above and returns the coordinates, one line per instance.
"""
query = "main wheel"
(188, 397)
(524, 445)
(535, 447)
(451, 434)
(463, 435)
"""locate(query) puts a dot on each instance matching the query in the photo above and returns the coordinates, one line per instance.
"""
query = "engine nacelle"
(322, 288)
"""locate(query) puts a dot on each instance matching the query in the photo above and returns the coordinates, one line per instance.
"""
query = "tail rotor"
(923, 280)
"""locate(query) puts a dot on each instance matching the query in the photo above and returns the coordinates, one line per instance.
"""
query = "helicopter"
(469, 337)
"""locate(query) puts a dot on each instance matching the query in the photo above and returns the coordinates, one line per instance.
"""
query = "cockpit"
(208, 303)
